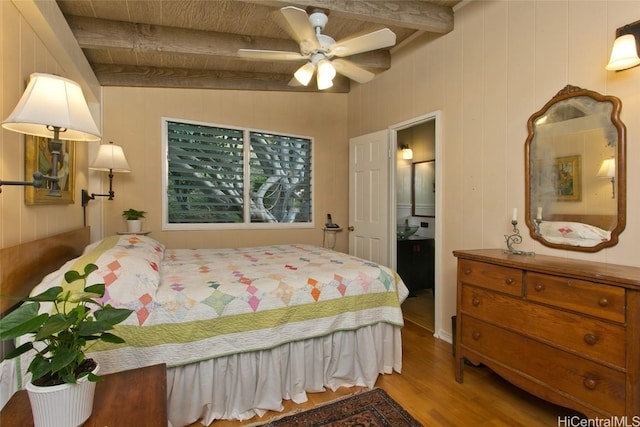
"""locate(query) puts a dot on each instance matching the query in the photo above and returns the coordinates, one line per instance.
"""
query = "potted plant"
(60, 338)
(134, 220)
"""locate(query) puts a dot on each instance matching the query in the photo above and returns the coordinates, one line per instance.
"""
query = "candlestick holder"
(538, 221)
(515, 239)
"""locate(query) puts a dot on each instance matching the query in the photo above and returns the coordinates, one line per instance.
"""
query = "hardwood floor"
(427, 389)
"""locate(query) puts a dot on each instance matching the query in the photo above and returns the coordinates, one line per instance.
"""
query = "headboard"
(23, 266)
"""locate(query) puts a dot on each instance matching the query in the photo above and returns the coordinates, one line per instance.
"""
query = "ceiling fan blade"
(363, 42)
(351, 70)
(296, 23)
(271, 55)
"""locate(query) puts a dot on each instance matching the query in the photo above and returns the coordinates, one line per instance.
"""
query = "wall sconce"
(608, 170)
(52, 107)
(407, 153)
(624, 53)
(110, 158)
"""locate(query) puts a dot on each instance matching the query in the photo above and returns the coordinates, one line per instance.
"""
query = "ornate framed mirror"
(575, 171)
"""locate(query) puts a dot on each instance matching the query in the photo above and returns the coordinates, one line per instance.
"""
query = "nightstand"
(130, 398)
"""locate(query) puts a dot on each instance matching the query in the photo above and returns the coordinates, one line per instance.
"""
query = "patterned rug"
(372, 408)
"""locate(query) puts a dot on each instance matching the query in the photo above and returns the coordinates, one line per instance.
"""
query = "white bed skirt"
(244, 385)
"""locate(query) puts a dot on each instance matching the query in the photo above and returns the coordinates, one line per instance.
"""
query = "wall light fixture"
(407, 153)
(52, 107)
(110, 158)
(624, 53)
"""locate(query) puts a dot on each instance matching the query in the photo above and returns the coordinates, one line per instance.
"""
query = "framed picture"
(39, 159)
(567, 178)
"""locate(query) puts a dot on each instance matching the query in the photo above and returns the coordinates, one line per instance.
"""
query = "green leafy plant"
(132, 214)
(66, 332)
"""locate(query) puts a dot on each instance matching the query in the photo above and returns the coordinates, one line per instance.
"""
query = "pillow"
(573, 230)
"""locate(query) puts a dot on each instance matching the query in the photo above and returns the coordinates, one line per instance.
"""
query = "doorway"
(416, 196)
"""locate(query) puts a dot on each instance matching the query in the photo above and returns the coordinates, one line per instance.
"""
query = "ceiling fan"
(321, 52)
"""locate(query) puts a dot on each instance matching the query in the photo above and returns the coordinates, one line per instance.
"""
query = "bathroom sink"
(403, 231)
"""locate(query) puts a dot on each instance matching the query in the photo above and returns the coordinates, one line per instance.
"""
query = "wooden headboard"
(23, 266)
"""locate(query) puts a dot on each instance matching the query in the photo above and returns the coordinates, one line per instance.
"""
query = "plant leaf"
(98, 288)
(20, 350)
(111, 338)
(49, 295)
(21, 322)
(112, 315)
(54, 324)
(39, 367)
(63, 358)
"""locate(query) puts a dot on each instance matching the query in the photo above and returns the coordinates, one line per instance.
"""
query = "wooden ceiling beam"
(416, 14)
(94, 33)
(137, 76)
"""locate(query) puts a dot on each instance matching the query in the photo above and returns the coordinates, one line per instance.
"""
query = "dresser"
(565, 330)
(415, 262)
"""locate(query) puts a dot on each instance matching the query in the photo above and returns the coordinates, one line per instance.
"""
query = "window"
(217, 176)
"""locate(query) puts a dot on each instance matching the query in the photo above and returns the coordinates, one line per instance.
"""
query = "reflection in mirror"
(423, 188)
(576, 171)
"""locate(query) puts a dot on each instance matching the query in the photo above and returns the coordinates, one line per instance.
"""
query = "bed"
(241, 329)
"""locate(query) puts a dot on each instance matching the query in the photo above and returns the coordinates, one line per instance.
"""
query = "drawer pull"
(589, 383)
(467, 271)
(476, 335)
(508, 281)
(603, 302)
(590, 339)
(475, 301)
(538, 287)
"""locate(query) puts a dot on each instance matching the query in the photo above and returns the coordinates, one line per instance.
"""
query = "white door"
(369, 197)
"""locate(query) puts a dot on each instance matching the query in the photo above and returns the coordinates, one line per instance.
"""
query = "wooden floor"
(420, 309)
(427, 389)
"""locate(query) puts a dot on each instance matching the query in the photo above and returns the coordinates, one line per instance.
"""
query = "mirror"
(423, 188)
(575, 171)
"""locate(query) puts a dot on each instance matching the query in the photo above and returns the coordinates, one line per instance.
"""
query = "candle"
(514, 217)
(539, 216)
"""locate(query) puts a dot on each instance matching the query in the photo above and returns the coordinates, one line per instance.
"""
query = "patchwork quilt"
(196, 304)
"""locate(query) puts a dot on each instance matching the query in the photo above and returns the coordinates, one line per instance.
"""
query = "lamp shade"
(304, 73)
(110, 157)
(52, 101)
(624, 53)
(607, 169)
(407, 153)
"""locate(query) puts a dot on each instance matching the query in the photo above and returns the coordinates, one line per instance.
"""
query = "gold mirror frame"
(568, 97)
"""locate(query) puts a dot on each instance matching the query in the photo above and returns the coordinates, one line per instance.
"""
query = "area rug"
(373, 408)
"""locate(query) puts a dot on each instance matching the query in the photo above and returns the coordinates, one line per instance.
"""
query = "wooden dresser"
(564, 330)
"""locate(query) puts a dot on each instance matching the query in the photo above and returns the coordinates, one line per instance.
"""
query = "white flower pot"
(64, 405)
(134, 225)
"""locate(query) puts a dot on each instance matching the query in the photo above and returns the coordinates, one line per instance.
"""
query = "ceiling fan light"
(304, 73)
(324, 83)
(326, 70)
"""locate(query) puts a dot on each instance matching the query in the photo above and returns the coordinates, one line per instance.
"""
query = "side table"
(130, 398)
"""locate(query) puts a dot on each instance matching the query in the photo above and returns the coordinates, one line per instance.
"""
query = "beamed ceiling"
(194, 43)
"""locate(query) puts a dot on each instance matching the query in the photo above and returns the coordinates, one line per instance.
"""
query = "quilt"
(196, 304)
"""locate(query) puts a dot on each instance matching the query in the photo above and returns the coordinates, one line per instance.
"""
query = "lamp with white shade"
(624, 53)
(608, 170)
(110, 158)
(52, 107)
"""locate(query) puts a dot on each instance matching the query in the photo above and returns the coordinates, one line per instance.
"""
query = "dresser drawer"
(607, 302)
(503, 279)
(587, 381)
(582, 335)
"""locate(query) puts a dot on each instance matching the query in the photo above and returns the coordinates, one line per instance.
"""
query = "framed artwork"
(567, 179)
(39, 159)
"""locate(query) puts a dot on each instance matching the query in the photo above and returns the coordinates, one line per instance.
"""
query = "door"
(369, 197)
